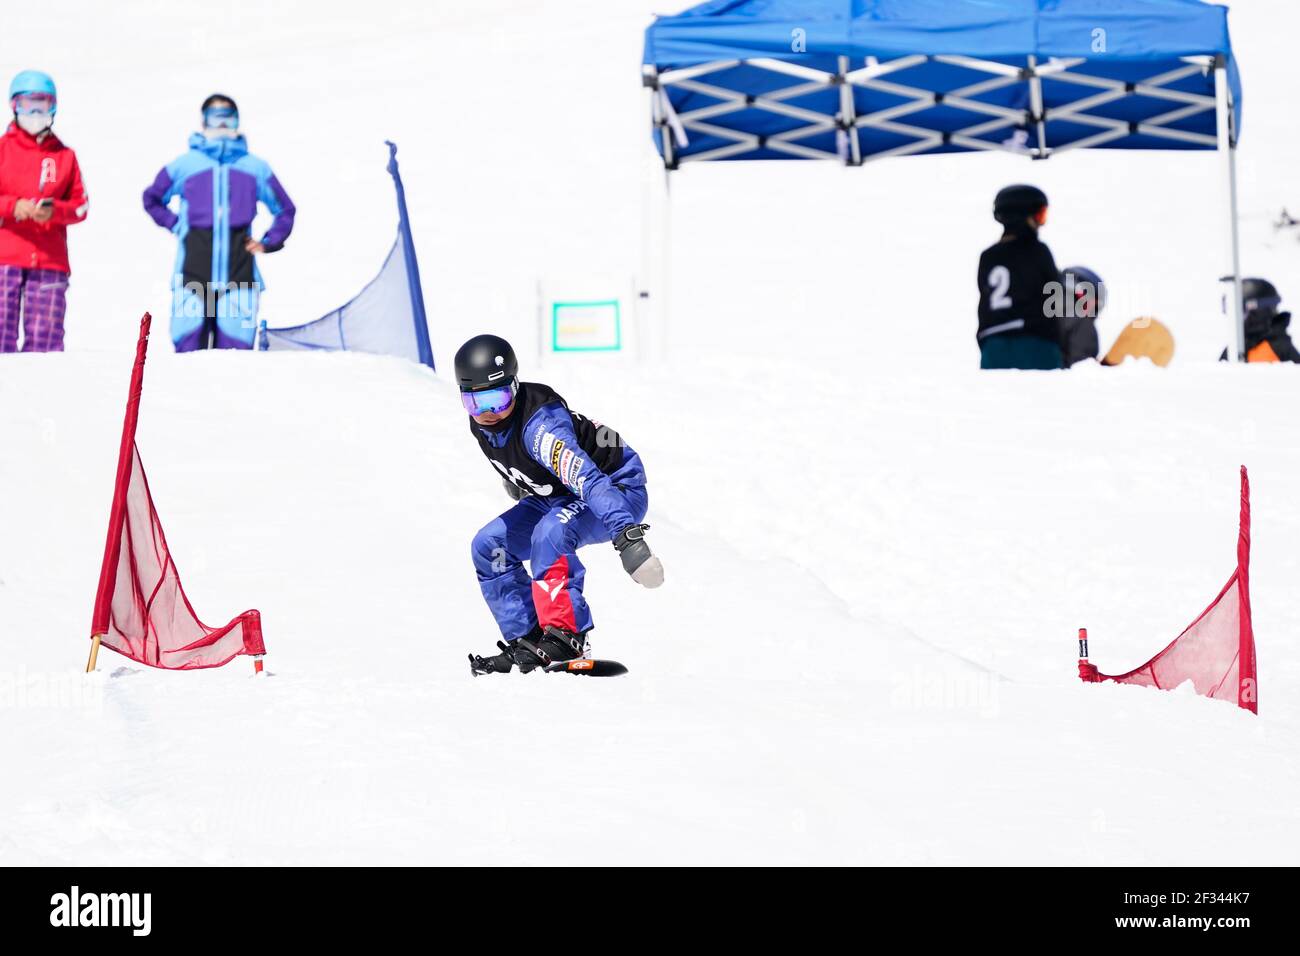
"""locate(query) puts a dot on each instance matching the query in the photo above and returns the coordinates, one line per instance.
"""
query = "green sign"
(594, 326)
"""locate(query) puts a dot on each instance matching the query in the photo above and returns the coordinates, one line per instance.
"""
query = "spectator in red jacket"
(41, 194)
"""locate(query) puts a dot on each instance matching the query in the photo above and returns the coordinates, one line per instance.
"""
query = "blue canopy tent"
(860, 80)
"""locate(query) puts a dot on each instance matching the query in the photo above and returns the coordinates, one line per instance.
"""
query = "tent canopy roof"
(744, 29)
(782, 79)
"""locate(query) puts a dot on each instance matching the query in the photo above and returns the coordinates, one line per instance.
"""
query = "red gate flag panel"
(141, 610)
(1217, 651)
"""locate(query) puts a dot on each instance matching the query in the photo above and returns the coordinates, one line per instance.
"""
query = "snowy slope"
(867, 661)
(864, 650)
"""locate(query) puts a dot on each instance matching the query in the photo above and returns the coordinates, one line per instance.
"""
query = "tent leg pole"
(1238, 306)
(652, 304)
(1227, 149)
(1239, 320)
(665, 263)
(94, 652)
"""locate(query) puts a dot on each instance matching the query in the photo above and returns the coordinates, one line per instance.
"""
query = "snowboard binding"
(501, 663)
(540, 648)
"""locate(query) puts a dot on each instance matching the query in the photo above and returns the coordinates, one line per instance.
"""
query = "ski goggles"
(1040, 217)
(220, 117)
(489, 400)
(1250, 305)
(25, 104)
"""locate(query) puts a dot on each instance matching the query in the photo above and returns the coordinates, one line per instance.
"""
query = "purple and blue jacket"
(219, 183)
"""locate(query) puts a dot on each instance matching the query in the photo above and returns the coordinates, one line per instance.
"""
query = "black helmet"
(1014, 204)
(1081, 282)
(485, 361)
(218, 98)
(1259, 294)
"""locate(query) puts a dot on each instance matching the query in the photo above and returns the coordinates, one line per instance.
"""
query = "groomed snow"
(864, 650)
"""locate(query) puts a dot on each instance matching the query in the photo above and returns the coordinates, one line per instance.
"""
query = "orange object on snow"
(1142, 338)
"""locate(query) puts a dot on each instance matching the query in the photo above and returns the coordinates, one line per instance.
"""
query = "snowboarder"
(1017, 276)
(216, 285)
(576, 483)
(1086, 295)
(1268, 338)
(41, 194)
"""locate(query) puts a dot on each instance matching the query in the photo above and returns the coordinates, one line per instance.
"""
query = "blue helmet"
(1080, 281)
(34, 81)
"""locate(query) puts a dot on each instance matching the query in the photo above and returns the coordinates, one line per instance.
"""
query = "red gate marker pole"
(1087, 672)
(125, 455)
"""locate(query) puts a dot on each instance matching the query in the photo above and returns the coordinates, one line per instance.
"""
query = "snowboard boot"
(518, 652)
(557, 644)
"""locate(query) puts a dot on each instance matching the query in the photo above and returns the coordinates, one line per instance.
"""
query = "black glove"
(645, 568)
(514, 491)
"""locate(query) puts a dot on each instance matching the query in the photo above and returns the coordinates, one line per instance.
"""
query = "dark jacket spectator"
(1017, 279)
(1085, 295)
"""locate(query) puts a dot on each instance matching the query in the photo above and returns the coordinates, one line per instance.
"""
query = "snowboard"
(587, 667)
(1142, 338)
(584, 666)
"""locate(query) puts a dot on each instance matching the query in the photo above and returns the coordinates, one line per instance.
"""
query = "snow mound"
(863, 651)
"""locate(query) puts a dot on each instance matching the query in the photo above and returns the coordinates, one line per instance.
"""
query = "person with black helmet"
(1017, 277)
(1267, 336)
(575, 481)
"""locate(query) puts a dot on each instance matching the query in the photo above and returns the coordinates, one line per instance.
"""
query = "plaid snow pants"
(38, 298)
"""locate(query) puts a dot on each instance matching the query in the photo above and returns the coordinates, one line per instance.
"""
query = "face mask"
(34, 123)
(221, 132)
